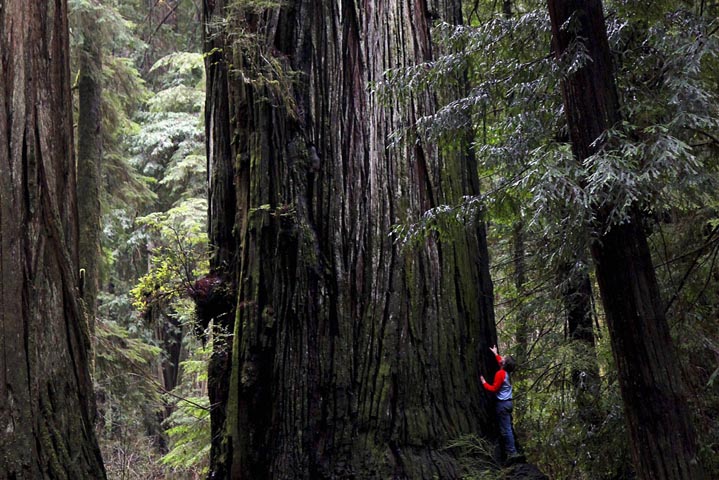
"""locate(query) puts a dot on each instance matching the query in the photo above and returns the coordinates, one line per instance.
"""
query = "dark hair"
(510, 364)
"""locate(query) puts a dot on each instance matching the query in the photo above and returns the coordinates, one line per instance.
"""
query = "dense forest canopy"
(277, 238)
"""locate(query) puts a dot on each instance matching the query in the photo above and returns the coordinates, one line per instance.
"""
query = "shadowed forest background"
(298, 226)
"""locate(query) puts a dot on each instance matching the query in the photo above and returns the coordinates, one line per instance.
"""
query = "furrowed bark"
(45, 390)
(220, 303)
(351, 358)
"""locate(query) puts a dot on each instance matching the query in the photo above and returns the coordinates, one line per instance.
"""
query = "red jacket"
(498, 378)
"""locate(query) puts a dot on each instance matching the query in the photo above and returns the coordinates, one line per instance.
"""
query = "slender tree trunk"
(351, 358)
(520, 280)
(662, 436)
(89, 161)
(577, 296)
(46, 391)
(507, 8)
(168, 333)
(520, 270)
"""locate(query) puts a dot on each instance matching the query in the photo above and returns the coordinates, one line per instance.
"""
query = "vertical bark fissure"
(46, 377)
(360, 384)
(222, 172)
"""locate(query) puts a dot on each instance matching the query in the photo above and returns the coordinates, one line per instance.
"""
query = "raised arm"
(497, 356)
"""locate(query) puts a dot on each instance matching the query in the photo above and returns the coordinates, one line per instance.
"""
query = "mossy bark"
(351, 358)
(219, 307)
(46, 390)
(89, 162)
(662, 436)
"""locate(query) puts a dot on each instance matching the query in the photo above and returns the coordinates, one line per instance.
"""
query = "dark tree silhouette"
(662, 437)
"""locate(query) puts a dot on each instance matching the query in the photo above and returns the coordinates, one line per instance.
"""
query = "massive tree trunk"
(662, 437)
(219, 289)
(89, 161)
(351, 358)
(46, 391)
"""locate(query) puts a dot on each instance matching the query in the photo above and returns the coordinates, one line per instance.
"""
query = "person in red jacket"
(502, 388)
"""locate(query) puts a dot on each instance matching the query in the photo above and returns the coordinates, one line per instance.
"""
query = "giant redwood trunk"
(219, 289)
(662, 438)
(351, 357)
(45, 391)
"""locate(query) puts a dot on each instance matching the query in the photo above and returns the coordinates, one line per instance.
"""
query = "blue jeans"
(504, 415)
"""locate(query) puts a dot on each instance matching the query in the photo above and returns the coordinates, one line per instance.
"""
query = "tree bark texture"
(662, 436)
(89, 164)
(351, 358)
(46, 390)
(219, 303)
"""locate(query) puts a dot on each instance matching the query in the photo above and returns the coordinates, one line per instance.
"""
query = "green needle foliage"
(154, 221)
(661, 159)
(661, 155)
(189, 423)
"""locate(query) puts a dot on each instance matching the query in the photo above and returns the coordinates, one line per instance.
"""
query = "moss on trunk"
(351, 358)
(46, 392)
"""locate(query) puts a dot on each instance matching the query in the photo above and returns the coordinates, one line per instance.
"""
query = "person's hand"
(481, 377)
(494, 349)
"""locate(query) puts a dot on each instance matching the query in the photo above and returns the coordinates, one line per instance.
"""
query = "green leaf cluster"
(178, 255)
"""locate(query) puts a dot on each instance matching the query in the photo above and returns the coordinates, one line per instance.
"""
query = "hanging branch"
(162, 22)
(695, 263)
